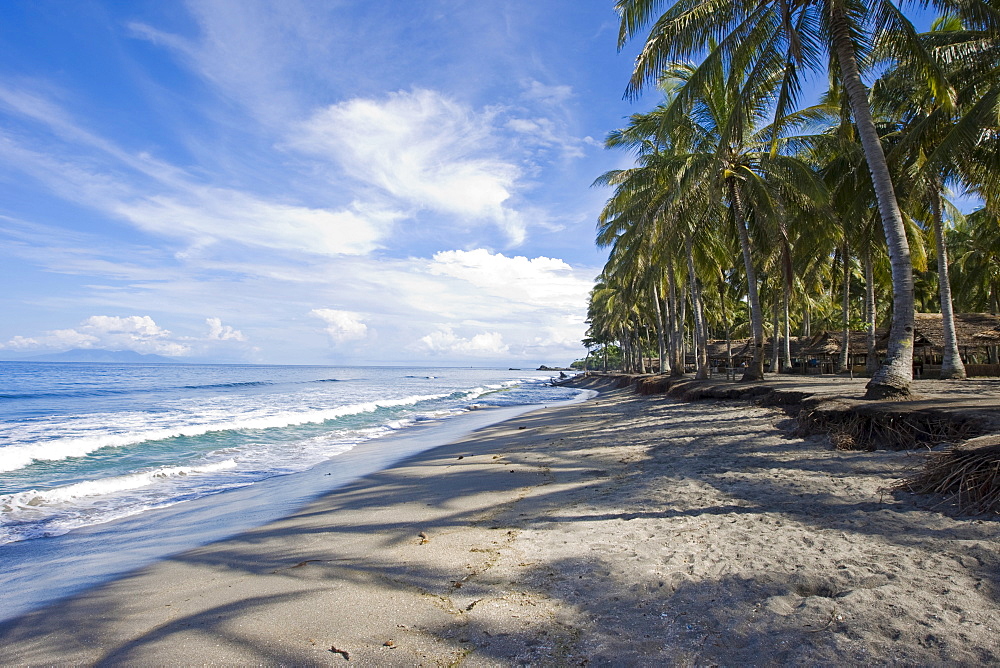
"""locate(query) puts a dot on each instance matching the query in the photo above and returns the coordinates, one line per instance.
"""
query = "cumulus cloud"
(138, 333)
(540, 281)
(58, 338)
(445, 342)
(424, 149)
(219, 332)
(341, 326)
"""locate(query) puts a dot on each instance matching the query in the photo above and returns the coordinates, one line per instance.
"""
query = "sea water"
(136, 461)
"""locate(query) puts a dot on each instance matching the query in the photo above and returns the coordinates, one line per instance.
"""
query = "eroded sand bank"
(626, 530)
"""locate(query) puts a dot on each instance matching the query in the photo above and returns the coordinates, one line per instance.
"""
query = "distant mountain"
(105, 356)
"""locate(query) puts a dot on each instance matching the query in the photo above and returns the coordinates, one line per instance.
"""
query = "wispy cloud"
(423, 149)
(163, 201)
(280, 181)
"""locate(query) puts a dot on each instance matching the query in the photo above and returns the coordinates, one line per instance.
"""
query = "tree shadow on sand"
(541, 541)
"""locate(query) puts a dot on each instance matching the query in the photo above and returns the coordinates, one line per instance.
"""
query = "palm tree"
(975, 240)
(798, 32)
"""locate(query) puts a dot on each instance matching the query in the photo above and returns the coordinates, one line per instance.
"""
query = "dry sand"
(623, 531)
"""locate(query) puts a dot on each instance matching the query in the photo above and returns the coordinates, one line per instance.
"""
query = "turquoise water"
(87, 444)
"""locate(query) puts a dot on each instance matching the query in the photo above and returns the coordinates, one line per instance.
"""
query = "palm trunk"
(951, 366)
(775, 324)
(756, 369)
(661, 339)
(845, 308)
(676, 365)
(871, 364)
(725, 323)
(786, 298)
(626, 348)
(682, 329)
(700, 351)
(894, 376)
(649, 346)
(668, 331)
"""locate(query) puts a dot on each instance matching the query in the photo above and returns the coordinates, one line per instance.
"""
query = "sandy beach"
(626, 530)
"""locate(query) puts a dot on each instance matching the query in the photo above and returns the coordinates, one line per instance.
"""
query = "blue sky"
(305, 181)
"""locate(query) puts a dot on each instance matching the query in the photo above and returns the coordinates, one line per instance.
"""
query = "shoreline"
(621, 530)
(79, 560)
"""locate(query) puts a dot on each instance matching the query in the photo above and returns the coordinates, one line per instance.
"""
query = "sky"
(305, 181)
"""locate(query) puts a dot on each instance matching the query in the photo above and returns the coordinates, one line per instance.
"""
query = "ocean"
(104, 467)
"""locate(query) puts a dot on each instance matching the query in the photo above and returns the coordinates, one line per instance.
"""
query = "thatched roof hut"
(797, 344)
(717, 348)
(824, 344)
(929, 329)
(928, 332)
(989, 337)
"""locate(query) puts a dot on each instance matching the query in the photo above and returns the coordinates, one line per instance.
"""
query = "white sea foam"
(33, 500)
(183, 446)
(19, 455)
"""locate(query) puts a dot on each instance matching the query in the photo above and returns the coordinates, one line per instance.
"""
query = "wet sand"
(626, 530)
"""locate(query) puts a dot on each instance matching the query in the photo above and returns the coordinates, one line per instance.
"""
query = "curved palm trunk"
(756, 369)
(894, 376)
(951, 366)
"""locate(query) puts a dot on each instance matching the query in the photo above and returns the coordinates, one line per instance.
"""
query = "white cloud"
(444, 342)
(540, 281)
(162, 199)
(424, 149)
(138, 333)
(139, 326)
(341, 326)
(537, 91)
(244, 49)
(206, 215)
(219, 332)
(543, 132)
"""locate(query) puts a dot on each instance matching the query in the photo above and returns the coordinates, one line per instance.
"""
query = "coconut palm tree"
(805, 34)
(975, 241)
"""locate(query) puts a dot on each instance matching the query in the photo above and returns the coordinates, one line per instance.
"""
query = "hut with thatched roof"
(820, 353)
(928, 342)
(988, 337)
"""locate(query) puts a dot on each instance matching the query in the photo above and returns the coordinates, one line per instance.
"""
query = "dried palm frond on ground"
(877, 427)
(970, 476)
